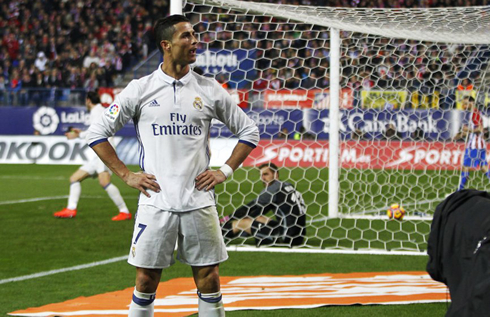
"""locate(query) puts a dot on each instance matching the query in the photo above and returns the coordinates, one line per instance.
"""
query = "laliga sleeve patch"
(112, 112)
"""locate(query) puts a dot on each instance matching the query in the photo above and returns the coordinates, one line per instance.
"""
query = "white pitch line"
(68, 269)
(21, 201)
(42, 178)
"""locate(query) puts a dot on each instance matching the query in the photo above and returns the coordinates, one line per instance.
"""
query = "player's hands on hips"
(209, 179)
(142, 181)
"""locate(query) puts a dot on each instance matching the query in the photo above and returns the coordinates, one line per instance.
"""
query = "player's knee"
(208, 282)
(104, 184)
(147, 281)
(74, 179)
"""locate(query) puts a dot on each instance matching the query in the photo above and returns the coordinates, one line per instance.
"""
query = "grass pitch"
(34, 241)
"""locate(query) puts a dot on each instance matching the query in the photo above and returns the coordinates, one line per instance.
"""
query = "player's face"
(183, 46)
(267, 176)
(467, 105)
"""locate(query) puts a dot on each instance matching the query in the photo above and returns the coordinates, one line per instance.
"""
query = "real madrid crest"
(198, 104)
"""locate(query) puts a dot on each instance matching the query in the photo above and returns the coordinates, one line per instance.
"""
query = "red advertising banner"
(361, 155)
(313, 98)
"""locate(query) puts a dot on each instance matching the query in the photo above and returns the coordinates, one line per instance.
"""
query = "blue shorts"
(475, 158)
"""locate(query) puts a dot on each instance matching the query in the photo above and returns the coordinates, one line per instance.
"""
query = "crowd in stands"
(86, 44)
(297, 56)
(82, 44)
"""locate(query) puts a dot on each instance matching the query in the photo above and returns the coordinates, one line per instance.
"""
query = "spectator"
(276, 83)
(91, 58)
(357, 134)
(91, 83)
(261, 83)
(54, 79)
(390, 133)
(12, 45)
(418, 135)
(3, 87)
(465, 85)
(25, 92)
(41, 61)
(283, 134)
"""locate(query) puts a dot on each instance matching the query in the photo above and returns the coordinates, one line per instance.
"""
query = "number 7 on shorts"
(142, 228)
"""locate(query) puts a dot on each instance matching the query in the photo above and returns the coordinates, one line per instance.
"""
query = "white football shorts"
(156, 231)
(95, 166)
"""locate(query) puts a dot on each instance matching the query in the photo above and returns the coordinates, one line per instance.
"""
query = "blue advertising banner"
(237, 64)
(269, 122)
(436, 125)
(372, 123)
(48, 121)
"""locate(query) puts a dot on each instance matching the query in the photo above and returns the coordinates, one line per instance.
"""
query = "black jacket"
(459, 252)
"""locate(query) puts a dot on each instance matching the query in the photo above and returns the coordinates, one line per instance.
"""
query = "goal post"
(360, 109)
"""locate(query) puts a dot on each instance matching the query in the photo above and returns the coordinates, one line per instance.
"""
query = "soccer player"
(283, 199)
(172, 109)
(475, 151)
(93, 168)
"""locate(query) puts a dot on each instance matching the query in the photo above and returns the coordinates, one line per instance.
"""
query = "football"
(396, 212)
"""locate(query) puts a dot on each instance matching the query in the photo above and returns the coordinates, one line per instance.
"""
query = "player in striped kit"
(476, 147)
(172, 109)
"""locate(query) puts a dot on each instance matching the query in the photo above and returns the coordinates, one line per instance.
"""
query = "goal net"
(359, 108)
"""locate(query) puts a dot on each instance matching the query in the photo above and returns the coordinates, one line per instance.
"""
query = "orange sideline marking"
(178, 297)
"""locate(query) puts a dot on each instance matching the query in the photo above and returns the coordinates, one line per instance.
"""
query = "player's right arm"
(124, 108)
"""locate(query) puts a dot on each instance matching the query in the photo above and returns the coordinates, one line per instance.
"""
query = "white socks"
(141, 305)
(75, 191)
(116, 197)
(211, 305)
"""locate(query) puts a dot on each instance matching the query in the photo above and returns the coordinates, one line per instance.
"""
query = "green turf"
(34, 241)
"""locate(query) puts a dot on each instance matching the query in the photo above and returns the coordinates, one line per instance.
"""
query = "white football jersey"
(97, 111)
(172, 119)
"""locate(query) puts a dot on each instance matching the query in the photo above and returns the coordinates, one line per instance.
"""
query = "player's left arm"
(211, 178)
(228, 112)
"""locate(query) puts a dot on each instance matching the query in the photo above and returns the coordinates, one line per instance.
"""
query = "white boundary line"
(42, 178)
(68, 269)
(21, 201)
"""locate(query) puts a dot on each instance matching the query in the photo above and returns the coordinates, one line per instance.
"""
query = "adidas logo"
(154, 103)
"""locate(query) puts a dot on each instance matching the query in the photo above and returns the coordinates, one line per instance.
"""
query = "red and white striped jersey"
(475, 140)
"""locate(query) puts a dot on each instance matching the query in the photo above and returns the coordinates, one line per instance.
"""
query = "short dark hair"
(273, 167)
(93, 97)
(164, 28)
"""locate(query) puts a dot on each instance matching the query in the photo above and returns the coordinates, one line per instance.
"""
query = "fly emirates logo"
(177, 126)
